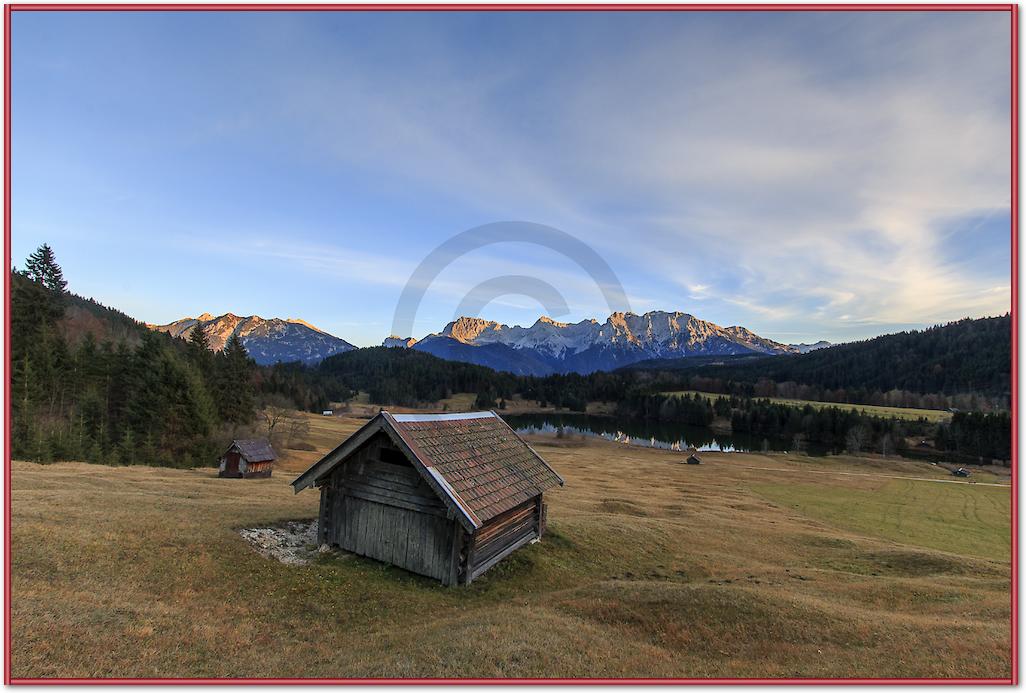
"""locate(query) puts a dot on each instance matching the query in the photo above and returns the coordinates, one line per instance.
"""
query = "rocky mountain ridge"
(268, 341)
(550, 346)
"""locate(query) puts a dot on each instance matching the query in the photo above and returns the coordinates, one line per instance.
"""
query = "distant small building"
(693, 458)
(328, 412)
(247, 459)
(442, 495)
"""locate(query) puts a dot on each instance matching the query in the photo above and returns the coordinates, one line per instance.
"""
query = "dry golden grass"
(651, 568)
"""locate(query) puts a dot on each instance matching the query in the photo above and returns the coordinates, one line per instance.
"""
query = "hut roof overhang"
(475, 462)
(254, 449)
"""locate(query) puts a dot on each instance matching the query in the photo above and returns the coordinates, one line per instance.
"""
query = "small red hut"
(247, 459)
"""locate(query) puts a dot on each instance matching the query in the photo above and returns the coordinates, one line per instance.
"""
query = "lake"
(646, 433)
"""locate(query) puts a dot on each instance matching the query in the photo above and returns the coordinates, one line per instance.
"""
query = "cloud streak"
(819, 191)
(800, 173)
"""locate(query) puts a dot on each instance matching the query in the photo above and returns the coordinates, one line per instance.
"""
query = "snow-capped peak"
(267, 340)
(658, 333)
(546, 320)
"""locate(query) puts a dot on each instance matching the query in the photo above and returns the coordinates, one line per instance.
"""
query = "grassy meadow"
(360, 405)
(745, 566)
(907, 413)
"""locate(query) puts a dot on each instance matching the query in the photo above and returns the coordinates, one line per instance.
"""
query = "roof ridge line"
(447, 416)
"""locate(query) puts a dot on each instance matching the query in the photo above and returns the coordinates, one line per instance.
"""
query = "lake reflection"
(645, 433)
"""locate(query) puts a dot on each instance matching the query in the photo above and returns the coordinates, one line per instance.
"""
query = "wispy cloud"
(809, 173)
(818, 187)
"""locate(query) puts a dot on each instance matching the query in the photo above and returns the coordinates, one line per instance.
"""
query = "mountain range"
(622, 339)
(267, 340)
(544, 348)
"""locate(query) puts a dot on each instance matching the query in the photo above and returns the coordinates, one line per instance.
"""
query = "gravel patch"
(293, 543)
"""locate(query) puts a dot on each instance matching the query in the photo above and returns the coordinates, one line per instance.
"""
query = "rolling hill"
(968, 356)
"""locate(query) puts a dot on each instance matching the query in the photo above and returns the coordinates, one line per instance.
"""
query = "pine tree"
(144, 406)
(198, 338)
(127, 448)
(235, 387)
(41, 266)
(199, 351)
(111, 403)
(485, 399)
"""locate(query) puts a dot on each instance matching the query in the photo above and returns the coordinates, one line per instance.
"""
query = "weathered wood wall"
(259, 469)
(386, 511)
(229, 465)
(377, 505)
(232, 463)
(501, 536)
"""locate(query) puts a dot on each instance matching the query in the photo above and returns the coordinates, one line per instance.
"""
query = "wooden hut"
(442, 495)
(247, 459)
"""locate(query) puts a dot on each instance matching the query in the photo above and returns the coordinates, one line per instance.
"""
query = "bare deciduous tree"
(797, 444)
(856, 439)
(296, 429)
(282, 423)
(274, 416)
(886, 445)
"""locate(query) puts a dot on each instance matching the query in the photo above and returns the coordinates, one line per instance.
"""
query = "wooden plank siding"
(230, 467)
(247, 459)
(377, 504)
(386, 511)
(501, 536)
(258, 469)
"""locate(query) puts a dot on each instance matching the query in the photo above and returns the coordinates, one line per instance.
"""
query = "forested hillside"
(947, 365)
(89, 383)
(408, 377)
(965, 365)
(390, 376)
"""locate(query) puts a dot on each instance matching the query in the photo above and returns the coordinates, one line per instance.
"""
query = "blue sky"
(808, 175)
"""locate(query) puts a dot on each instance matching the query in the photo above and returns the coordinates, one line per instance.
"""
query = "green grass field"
(965, 519)
(460, 401)
(745, 566)
(933, 415)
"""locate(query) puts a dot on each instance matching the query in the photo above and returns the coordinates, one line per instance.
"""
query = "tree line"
(86, 386)
(90, 383)
(977, 435)
(965, 364)
(836, 428)
(407, 377)
(410, 378)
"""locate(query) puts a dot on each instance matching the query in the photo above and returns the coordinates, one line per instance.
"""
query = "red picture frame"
(1013, 18)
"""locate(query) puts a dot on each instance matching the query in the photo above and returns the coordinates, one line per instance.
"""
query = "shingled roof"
(254, 449)
(477, 462)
